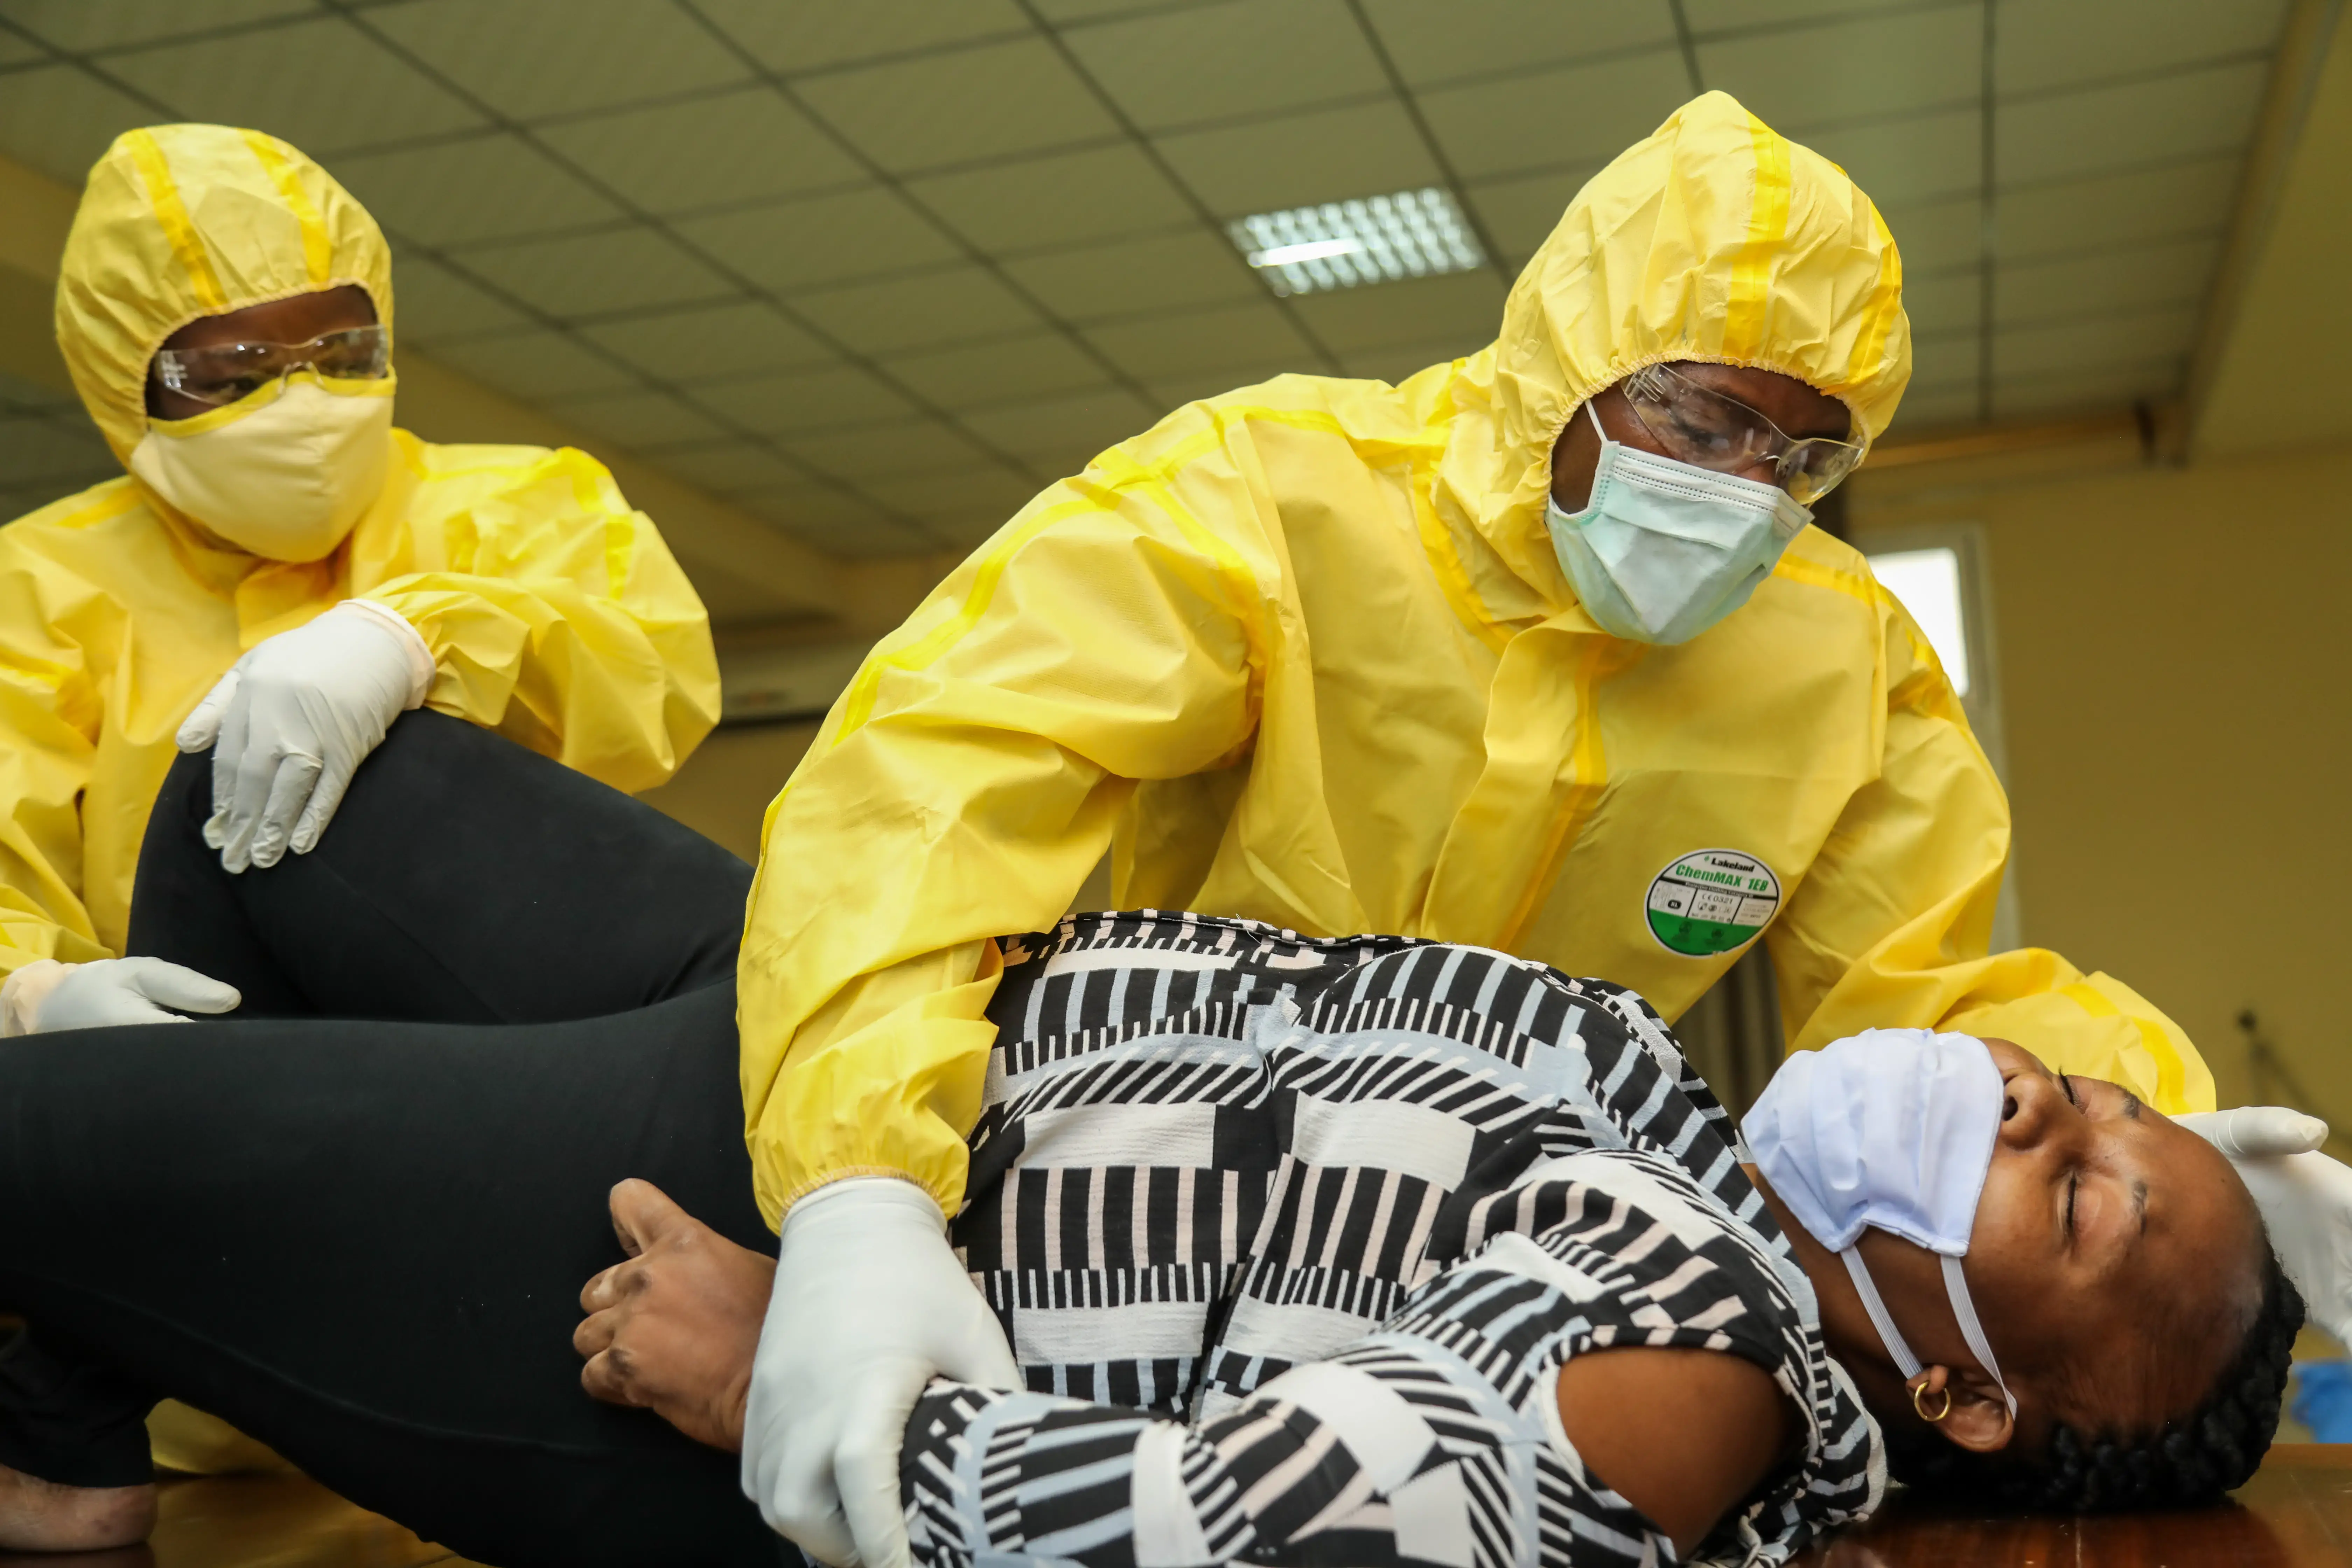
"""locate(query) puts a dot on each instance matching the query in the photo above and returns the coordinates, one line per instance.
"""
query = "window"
(1937, 572)
(1928, 582)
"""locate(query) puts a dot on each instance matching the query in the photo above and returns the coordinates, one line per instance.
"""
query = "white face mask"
(286, 475)
(1667, 549)
(1893, 1129)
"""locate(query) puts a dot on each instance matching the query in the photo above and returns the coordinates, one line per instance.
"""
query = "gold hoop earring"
(1919, 1403)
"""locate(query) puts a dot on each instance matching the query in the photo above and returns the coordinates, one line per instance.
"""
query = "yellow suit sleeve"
(49, 721)
(1892, 925)
(570, 628)
(962, 790)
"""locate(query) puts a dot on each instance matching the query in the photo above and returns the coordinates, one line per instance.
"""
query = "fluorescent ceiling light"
(1340, 244)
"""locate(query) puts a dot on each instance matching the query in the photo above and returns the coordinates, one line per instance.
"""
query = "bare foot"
(43, 1516)
(675, 1327)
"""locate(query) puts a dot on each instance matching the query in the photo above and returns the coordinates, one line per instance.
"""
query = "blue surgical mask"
(1891, 1129)
(1667, 549)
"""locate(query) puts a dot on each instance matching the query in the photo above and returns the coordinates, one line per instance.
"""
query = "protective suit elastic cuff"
(421, 669)
(22, 993)
(903, 1192)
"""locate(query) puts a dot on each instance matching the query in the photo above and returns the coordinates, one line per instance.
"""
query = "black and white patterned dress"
(1292, 1238)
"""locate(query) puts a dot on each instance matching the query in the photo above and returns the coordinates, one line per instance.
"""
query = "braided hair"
(2212, 1450)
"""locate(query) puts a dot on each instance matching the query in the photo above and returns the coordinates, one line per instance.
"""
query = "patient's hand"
(674, 1328)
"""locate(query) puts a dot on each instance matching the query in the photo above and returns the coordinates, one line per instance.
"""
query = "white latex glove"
(2306, 1198)
(45, 996)
(870, 1304)
(292, 721)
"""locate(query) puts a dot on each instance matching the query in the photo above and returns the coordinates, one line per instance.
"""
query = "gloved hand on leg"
(2306, 1198)
(870, 1304)
(45, 996)
(292, 721)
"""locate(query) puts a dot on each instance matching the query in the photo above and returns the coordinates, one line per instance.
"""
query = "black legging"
(364, 1245)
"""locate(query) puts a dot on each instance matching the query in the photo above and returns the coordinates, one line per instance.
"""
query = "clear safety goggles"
(227, 372)
(1701, 426)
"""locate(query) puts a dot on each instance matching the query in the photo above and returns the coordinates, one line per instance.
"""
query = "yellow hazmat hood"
(182, 221)
(1715, 238)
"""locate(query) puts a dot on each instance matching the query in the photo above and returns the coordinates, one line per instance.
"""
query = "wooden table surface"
(2297, 1513)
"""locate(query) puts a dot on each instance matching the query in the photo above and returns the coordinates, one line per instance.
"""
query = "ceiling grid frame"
(2197, 72)
(1167, 170)
(749, 289)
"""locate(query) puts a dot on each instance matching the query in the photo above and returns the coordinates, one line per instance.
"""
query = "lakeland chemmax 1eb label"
(1712, 902)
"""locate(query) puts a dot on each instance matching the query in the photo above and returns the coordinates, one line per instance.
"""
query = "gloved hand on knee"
(870, 1304)
(292, 721)
(2306, 1198)
(45, 996)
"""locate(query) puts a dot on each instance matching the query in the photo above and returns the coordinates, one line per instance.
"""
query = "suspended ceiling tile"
(2123, 277)
(20, 399)
(1057, 199)
(1433, 40)
(1764, 15)
(872, 451)
(1396, 361)
(1083, 11)
(593, 274)
(431, 302)
(982, 374)
(2059, 42)
(320, 85)
(1937, 236)
(953, 305)
(58, 120)
(710, 342)
(488, 188)
(2109, 129)
(1950, 302)
(532, 57)
(1932, 408)
(882, 541)
(78, 24)
(1576, 115)
(1327, 156)
(1243, 57)
(804, 35)
(822, 239)
(2096, 388)
(533, 365)
(808, 399)
(964, 503)
(1168, 271)
(990, 101)
(725, 150)
(1796, 77)
(45, 452)
(723, 468)
(1462, 308)
(2109, 209)
(1944, 358)
(636, 419)
(1896, 162)
(1060, 433)
(835, 521)
(1164, 347)
(2082, 345)
(1521, 213)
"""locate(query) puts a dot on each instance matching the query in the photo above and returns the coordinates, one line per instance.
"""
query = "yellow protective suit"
(1304, 653)
(554, 613)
